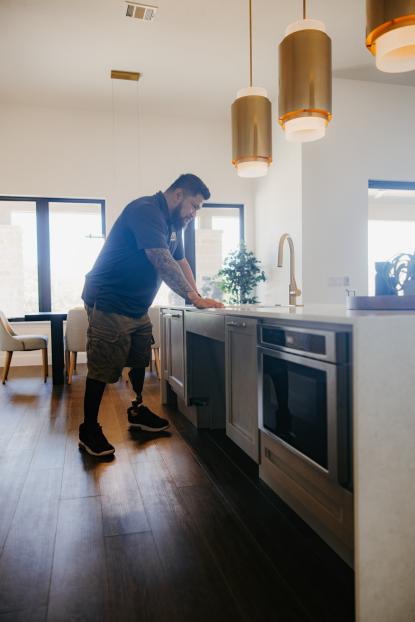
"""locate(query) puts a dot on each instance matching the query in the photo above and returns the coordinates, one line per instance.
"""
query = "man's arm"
(172, 274)
(187, 271)
(169, 270)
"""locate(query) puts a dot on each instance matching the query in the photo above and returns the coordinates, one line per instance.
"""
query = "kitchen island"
(383, 407)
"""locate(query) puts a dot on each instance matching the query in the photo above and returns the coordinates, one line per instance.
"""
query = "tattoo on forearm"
(188, 274)
(169, 270)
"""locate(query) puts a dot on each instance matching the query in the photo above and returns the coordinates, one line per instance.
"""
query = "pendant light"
(305, 80)
(251, 126)
(390, 34)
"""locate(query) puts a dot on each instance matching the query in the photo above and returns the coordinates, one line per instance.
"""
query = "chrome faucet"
(293, 290)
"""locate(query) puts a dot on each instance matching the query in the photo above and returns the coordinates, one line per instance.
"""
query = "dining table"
(56, 329)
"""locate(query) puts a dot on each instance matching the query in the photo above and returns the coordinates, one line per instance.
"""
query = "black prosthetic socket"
(136, 375)
(94, 390)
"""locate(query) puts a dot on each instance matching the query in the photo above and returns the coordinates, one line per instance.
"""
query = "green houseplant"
(240, 274)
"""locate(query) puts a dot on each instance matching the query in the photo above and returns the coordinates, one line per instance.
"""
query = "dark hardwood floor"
(176, 527)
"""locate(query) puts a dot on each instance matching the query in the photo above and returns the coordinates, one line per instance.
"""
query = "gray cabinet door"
(165, 343)
(242, 384)
(172, 353)
(164, 355)
(176, 367)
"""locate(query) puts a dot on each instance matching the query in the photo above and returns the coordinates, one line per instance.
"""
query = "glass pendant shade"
(305, 129)
(252, 168)
(251, 132)
(305, 81)
(390, 34)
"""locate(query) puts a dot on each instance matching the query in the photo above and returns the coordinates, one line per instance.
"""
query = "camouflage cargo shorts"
(115, 341)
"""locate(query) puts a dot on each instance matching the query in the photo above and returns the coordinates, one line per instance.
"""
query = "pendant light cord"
(114, 159)
(250, 42)
(304, 9)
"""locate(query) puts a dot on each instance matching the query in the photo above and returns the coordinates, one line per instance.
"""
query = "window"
(391, 229)
(216, 231)
(76, 238)
(47, 246)
(18, 252)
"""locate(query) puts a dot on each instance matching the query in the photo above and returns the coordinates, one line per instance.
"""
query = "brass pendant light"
(305, 80)
(251, 126)
(390, 34)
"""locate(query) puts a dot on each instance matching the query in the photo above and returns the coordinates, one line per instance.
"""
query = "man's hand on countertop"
(204, 303)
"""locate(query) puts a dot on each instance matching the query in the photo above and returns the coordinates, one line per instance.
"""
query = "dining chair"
(75, 338)
(11, 342)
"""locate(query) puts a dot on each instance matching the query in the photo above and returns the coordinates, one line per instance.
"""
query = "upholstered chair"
(75, 338)
(10, 342)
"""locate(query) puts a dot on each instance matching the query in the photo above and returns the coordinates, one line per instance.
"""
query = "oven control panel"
(328, 345)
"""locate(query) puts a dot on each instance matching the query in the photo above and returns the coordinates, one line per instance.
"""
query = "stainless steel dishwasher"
(205, 368)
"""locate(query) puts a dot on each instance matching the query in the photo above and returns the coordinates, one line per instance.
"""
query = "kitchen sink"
(271, 307)
(274, 308)
(257, 308)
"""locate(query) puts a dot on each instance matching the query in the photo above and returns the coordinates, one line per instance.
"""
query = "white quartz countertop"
(309, 313)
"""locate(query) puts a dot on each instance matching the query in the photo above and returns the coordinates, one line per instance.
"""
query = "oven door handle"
(297, 358)
(331, 353)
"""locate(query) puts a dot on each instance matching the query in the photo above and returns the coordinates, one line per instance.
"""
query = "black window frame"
(190, 236)
(43, 239)
(381, 184)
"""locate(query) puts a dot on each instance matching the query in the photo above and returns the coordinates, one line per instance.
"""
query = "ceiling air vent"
(145, 12)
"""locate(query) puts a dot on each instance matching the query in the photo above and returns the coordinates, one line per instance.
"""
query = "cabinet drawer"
(205, 324)
(325, 506)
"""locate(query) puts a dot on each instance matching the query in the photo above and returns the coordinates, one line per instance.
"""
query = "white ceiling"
(195, 53)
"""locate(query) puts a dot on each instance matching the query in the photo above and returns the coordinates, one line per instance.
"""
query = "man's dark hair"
(191, 184)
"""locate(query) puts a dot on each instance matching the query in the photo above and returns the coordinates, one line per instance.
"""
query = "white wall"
(371, 136)
(77, 153)
(117, 155)
(278, 211)
(319, 192)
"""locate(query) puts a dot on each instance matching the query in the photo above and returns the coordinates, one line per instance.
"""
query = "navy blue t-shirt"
(122, 279)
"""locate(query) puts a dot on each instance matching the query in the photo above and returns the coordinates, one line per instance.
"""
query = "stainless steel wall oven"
(305, 410)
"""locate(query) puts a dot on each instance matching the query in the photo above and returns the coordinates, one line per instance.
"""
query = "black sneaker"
(142, 418)
(94, 441)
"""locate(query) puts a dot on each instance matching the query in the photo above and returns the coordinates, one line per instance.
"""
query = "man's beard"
(177, 220)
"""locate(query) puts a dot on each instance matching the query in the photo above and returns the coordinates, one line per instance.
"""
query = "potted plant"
(240, 274)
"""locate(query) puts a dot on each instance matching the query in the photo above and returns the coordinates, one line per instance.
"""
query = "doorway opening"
(391, 224)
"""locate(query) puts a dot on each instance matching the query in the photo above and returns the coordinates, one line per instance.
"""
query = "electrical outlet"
(338, 281)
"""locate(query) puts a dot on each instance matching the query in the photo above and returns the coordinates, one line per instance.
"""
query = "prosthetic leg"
(139, 416)
(136, 376)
